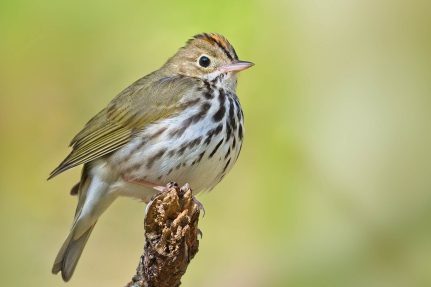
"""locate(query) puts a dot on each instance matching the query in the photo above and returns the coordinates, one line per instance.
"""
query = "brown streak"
(155, 157)
(158, 133)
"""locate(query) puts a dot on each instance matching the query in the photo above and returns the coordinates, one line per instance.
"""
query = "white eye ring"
(204, 61)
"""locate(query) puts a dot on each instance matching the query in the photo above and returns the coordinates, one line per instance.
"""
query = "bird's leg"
(163, 188)
(148, 184)
(139, 182)
(144, 183)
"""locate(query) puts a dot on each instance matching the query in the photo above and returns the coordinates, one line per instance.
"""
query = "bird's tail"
(69, 254)
(93, 201)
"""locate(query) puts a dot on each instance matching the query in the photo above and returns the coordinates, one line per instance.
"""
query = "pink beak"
(235, 66)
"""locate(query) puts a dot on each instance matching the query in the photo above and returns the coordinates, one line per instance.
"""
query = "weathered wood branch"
(171, 238)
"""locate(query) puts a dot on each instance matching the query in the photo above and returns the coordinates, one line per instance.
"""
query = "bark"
(171, 238)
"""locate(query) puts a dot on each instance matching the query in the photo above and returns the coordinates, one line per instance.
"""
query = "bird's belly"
(199, 151)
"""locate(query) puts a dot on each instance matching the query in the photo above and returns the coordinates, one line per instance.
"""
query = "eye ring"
(204, 61)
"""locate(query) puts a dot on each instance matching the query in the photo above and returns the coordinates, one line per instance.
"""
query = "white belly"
(181, 150)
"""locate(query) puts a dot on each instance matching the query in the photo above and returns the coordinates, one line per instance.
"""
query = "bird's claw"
(200, 206)
(183, 189)
(166, 187)
(186, 187)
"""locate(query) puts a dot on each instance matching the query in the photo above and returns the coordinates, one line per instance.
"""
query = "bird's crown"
(216, 40)
(206, 56)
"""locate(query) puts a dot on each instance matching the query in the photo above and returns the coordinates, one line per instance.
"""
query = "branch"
(171, 238)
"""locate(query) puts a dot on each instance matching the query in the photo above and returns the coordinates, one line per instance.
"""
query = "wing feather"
(145, 101)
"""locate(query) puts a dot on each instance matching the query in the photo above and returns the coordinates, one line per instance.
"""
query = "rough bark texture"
(171, 238)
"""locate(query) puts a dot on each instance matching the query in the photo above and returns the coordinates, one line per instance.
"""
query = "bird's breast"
(198, 145)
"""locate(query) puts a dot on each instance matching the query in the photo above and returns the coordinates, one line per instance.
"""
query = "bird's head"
(207, 56)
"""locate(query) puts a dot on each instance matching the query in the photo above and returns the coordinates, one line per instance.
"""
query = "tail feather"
(93, 200)
(69, 254)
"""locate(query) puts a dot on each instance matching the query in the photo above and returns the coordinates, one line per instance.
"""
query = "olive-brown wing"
(142, 103)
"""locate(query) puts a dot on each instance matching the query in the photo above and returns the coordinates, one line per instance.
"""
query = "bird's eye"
(204, 61)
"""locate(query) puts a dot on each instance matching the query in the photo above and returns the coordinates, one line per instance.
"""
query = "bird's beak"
(235, 66)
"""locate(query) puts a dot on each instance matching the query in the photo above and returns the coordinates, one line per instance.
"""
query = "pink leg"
(144, 183)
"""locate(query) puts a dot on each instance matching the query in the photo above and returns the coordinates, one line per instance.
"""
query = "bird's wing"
(142, 103)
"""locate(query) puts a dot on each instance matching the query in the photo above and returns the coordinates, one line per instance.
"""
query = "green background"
(333, 186)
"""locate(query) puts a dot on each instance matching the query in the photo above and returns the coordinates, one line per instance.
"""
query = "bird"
(181, 123)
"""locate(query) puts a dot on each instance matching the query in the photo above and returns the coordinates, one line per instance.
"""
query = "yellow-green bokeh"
(333, 186)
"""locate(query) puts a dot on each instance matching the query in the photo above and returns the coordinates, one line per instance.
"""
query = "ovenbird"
(181, 123)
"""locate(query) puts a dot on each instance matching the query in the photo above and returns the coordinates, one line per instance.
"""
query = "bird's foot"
(170, 185)
(186, 187)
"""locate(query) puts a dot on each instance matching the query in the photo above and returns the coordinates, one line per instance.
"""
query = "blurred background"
(333, 186)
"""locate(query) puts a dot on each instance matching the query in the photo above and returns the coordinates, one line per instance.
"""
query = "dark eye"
(204, 61)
